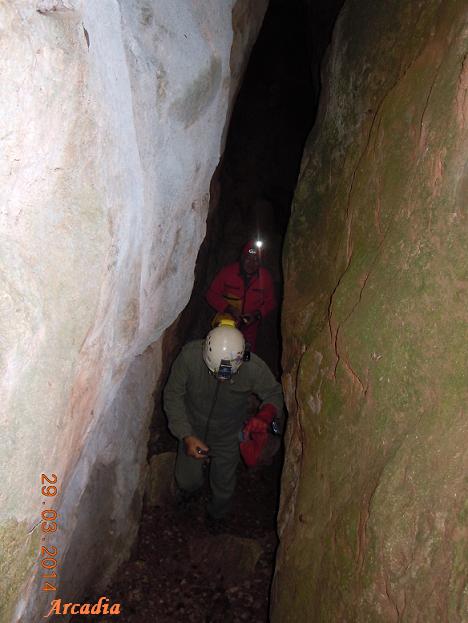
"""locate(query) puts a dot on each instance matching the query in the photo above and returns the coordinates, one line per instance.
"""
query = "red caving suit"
(232, 287)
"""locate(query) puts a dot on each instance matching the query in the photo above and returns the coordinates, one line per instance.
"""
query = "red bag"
(255, 435)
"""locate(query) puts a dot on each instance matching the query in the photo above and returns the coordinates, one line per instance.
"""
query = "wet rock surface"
(182, 572)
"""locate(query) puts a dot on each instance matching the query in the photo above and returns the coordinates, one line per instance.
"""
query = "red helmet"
(252, 247)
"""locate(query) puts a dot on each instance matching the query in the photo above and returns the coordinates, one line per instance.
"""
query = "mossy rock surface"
(374, 322)
(160, 485)
(19, 549)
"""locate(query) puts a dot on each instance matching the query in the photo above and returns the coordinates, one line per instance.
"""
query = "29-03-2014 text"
(49, 489)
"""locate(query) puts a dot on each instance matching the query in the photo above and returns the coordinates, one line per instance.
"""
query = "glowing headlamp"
(257, 247)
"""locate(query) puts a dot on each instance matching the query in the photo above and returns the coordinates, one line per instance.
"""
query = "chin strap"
(208, 419)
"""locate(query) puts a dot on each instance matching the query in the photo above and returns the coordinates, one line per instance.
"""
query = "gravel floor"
(162, 584)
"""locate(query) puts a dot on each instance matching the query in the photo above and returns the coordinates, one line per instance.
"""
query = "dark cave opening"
(253, 188)
(168, 578)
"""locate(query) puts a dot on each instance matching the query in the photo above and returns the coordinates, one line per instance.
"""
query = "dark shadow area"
(253, 189)
(169, 578)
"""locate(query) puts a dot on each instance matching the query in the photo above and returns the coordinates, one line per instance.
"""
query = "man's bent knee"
(188, 474)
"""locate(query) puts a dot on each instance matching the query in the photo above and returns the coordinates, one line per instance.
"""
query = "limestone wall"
(112, 121)
(373, 514)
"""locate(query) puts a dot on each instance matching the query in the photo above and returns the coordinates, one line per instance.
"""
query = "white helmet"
(223, 350)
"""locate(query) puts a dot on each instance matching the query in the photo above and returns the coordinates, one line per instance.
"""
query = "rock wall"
(373, 512)
(113, 118)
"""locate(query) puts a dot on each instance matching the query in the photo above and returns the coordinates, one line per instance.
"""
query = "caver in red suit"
(245, 291)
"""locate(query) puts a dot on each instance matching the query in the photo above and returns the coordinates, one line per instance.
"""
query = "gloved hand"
(254, 425)
(267, 413)
(255, 434)
(248, 319)
(234, 312)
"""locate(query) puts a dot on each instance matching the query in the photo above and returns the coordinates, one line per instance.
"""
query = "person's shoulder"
(232, 267)
(192, 349)
(256, 364)
(228, 270)
(264, 273)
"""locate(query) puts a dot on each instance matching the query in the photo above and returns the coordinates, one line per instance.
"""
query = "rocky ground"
(182, 572)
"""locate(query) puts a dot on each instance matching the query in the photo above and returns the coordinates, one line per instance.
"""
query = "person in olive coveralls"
(206, 400)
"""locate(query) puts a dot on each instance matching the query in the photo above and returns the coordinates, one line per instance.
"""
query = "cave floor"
(169, 579)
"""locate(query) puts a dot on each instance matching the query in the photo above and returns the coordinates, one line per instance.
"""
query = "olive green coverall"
(191, 393)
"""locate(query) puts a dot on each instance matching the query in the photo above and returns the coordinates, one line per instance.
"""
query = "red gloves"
(255, 434)
(267, 413)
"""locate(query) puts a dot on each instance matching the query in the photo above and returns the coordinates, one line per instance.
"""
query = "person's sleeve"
(174, 399)
(269, 298)
(215, 293)
(268, 389)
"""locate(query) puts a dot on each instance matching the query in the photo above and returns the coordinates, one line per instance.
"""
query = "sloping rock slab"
(159, 484)
(233, 557)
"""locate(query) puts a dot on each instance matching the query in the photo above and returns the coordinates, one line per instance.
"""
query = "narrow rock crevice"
(137, 166)
(173, 567)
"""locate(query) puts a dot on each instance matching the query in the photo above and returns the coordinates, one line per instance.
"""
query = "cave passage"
(179, 570)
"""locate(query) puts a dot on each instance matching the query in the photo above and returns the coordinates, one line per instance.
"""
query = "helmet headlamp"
(256, 247)
(224, 371)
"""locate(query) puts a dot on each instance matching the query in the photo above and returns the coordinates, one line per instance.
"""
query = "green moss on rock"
(19, 550)
(374, 325)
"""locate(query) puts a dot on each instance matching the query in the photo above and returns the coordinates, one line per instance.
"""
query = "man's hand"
(193, 445)
(248, 319)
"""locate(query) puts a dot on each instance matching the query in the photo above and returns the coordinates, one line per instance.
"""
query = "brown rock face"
(372, 519)
(159, 482)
